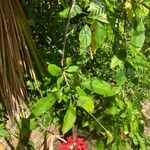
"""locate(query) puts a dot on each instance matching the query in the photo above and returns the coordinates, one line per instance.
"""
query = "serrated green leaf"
(115, 62)
(54, 70)
(72, 69)
(69, 119)
(85, 39)
(75, 10)
(100, 87)
(44, 104)
(86, 102)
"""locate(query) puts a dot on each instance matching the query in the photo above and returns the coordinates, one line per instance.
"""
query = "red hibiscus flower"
(73, 143)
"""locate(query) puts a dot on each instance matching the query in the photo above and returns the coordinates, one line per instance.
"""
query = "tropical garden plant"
(97, 58)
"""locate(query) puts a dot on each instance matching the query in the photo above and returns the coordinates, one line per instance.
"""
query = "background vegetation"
(98, 71)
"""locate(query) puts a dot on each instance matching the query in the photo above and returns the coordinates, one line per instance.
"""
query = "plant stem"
(66, 31)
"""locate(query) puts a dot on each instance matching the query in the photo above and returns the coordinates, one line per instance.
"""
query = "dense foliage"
(97, 56)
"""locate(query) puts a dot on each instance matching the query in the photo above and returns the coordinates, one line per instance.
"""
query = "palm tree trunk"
(15, 60)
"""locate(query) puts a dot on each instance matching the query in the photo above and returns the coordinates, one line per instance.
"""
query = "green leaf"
(72, 69)
(68, 61)
(113, 110)
(69, 119)
(100, 87)
(4, 133)
(138, 37)
(121, 79)
(100, 34)
(31, 22)
(97, 12)
(75, 10)
(120, 102)
(141, 141)
(54, 70)
(60, 81)
(44, 104)
(86, 2)
(135, 141)
(33, 123)
(86, 103)
(85, 39)
(115, 62)
(109, 136)
(80, 92)
(100, 145)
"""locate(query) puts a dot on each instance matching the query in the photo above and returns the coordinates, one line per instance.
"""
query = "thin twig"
(61, 139)
(66, 31)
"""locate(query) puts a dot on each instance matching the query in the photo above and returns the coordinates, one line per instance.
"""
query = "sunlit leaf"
(85, 39)
(97, 12)
(113, 110)
(54, 70)
(93, 42)
(72, 69)
(44, 104)
(138, 37)
(75, 10)
(4, 133)
(68, 61)
(86, 102)
(128, 7)
(141, 141)
(109, 136)
(100, 87)
(145, 10)
(59, 81)
(115, 62)
(100, 33)
(69, 119)
(79, 91)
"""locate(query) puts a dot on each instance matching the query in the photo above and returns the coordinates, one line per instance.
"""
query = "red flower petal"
(73, 142)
